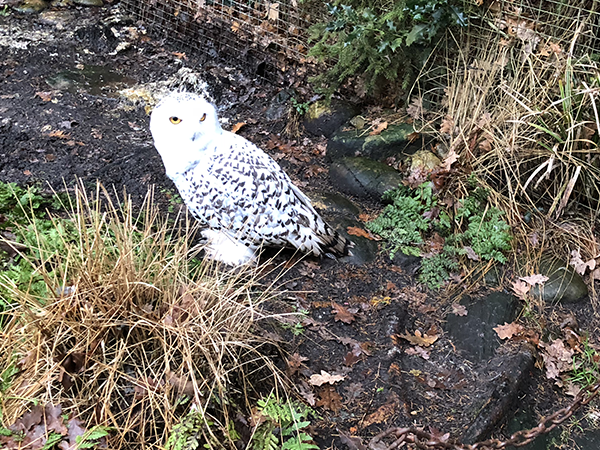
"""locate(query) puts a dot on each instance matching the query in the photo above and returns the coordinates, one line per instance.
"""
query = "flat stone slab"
(474, 333)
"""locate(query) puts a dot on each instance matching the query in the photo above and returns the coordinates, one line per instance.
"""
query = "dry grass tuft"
(524, 121)
(130, 328)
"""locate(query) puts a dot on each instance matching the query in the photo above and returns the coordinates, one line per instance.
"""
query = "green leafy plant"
(188, 434)
(53, 439)
(90, 438)
(378, 39)
(413, 213)
(284, 426)
(436, 269)
(300, 108)
(401, 223)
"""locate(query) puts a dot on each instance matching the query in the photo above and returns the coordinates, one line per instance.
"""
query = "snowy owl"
(238, 192)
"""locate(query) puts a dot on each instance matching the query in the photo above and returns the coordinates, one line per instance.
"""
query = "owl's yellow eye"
(203, 117)
(175, 120)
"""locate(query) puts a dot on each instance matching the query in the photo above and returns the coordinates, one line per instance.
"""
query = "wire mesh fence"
(541, 26)
(260, 36)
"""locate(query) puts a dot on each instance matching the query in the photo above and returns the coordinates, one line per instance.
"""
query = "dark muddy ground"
(52, 134)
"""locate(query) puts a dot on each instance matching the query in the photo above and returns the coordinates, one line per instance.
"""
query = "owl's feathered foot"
(222, 246)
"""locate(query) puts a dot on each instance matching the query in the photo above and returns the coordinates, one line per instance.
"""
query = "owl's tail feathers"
(333, 243)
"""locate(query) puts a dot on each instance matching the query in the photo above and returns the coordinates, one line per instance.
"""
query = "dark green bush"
(382, 40)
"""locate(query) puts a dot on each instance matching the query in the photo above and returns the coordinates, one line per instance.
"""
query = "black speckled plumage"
(230, 184)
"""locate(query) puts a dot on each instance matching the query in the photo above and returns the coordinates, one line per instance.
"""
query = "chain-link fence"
(260, 36)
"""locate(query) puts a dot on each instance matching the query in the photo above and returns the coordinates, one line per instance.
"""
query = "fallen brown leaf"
(237, 126)
(459, 310)
(329, 399)
(532, 280)
(508, 330)
(383, 414)
(378, 128)
(447, 126)
(324, 377)
(45, 96)
(520, 288)
(59, 134)
(361, 232)
(294, 363)
(420, 339)
(342, 314)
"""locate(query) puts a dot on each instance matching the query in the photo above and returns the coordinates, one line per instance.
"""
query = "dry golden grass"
(129, 329)
(525, 124)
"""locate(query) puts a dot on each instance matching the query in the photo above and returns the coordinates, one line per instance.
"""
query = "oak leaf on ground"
(325, 377)
(329, 399)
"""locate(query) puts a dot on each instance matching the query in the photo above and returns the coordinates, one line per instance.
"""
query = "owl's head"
(181, 125)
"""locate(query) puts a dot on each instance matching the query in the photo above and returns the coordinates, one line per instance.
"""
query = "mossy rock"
(363, 177)
(324, 119)
(31, 6)
(392, 141)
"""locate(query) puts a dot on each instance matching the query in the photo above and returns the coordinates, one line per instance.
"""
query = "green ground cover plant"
(474, 229)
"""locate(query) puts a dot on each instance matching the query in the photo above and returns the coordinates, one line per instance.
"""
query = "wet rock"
(507, 375)
(89, 2)
(341, 213)
(364, 250)
(564, 286)
(525, 419)
(334, 204)
(363, 177)
(278, 107)
(324, 119)
(31, 6)
(390, 142)
(590, 440)
(409, 263)
(57, 18)
(473, 334)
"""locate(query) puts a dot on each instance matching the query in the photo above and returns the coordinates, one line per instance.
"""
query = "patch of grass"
(128, 333)
(586, 365)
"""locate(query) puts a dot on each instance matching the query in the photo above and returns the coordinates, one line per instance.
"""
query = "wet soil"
(51, 133)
